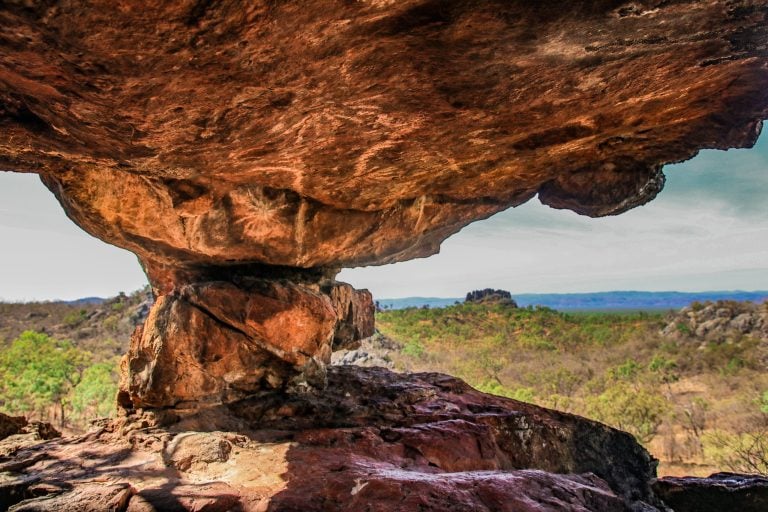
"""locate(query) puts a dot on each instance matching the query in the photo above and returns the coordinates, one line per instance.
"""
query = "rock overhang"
(328, 134)
(247, 151)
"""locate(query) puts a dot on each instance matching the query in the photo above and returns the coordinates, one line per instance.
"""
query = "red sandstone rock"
(246, 151)
(327, 133)
(185, 355)
(354, 316)
(89, 497)
(227, 141)
(217, 342)
(374, 440)
(10, 425)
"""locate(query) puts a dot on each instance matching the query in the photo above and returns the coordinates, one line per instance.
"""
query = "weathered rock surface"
(716, 493)
(11, 425)
(329, 133)
(219, 342)
(373, 351)
(373, 441)
(719, 321)
(16, 432)
(228, 144)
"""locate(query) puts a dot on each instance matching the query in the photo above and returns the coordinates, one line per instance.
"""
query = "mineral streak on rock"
(228, 141)
(330, 133)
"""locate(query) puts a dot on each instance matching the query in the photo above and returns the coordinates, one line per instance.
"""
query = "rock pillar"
(221, 335)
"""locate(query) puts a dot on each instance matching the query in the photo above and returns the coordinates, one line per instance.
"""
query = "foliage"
(37, 372)
(52, 380)
(628, 370)
(519, 394)
(112, 323)
(638, 411)
(94, 396)
(739, 452)
(75, 318)
(670, 392)
(413, 349)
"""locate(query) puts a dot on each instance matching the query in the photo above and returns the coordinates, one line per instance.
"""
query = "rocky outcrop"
(17, 429)
(374, 351)
(374, 440)
(490, 295)
(11, 425)
(229, 144)
(719, 321)
(212, 132)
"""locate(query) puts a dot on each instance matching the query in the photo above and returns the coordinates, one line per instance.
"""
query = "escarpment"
(246, 151)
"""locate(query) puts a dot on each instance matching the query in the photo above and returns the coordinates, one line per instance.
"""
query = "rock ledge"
(375, 440)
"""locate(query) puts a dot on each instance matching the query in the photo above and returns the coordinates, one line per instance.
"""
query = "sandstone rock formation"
(719, 322)
(11, 425)
(247, 151)
(491, 295)
(376, 350)
(374, 441)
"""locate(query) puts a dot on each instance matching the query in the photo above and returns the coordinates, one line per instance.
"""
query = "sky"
(707, 230)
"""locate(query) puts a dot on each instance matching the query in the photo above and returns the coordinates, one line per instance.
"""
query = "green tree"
(94, 396)
(37, 373)
(625, 407)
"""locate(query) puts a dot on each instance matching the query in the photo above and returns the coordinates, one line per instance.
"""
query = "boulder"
(11, 425)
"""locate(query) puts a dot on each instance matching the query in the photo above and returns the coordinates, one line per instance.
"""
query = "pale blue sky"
(708, 230)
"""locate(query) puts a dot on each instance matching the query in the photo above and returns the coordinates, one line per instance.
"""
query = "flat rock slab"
(379, 441)
(717, 493)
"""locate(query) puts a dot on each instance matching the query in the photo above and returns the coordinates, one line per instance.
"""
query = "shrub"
(75, 318)
(637, 411)
(741, 453)
(625, 371)
(112, 323)
(520, 394)
(94, 395)
(413, 349)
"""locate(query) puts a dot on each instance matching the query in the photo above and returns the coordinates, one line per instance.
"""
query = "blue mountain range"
(620, 300)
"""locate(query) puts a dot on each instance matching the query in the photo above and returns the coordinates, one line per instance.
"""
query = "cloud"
(736, 180)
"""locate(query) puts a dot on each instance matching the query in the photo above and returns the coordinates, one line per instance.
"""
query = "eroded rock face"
(223, 141)
(329, 133)
(374, 441)
(218, 342)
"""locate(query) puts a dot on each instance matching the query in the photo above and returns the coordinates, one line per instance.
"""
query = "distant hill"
(85, 301)
(622, 300)
(100, 326)
(417, 302)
